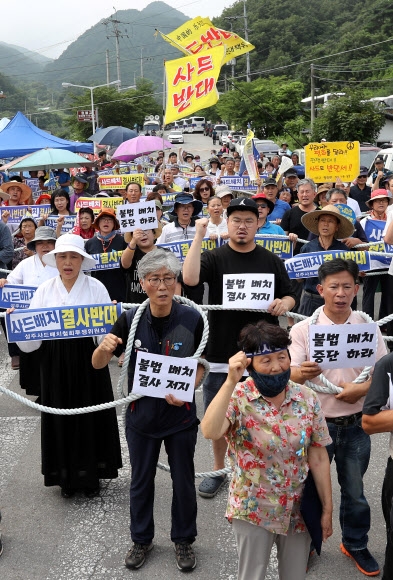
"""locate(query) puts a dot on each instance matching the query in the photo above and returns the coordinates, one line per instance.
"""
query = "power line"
(353, 81)
(315, 58)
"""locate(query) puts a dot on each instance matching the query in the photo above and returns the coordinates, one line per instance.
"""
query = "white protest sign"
(157, 375)
(343, 346)
(255, 291)
(134, 216)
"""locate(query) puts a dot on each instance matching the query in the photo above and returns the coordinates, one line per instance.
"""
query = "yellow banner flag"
(191, 83)
(200, 34)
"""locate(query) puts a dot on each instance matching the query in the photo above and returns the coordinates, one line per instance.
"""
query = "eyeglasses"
(106, 219)
(248, 223)
(168, 281)
(263, 205)
(204, 189)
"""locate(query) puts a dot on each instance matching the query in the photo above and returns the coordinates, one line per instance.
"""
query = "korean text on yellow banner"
(98, 204)
(329, 161)
(120, 181)
(198, 35)
(191, 83)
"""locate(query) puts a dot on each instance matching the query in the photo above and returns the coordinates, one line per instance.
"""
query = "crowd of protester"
(253, 411)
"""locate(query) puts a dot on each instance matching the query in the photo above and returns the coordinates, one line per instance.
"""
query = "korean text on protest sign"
(342, 346)
(61, 322)
(134, 216)
(16, 296)
(120, 181)
(180, 249)
(191, 83)
(107, 260)
(327, 162)
(306, 265)
(252, 291)
(157, 376)
(199, 35)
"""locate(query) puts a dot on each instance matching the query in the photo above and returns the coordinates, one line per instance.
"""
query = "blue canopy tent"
(21, 136)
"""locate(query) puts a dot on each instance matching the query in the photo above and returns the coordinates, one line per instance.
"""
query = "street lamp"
(91, 89)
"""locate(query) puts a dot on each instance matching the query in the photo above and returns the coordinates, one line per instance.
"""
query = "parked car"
(220, 128)
(368, 152)
(176, 137)
(270, 148)
(223, 138)
(233, 138)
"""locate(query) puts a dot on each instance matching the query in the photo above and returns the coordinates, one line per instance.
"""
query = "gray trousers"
(254, 545)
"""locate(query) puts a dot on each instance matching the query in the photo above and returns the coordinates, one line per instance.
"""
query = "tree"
(349, 118)
(125, 108)
(267, 104)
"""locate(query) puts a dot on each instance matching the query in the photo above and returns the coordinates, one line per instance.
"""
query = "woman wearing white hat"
(77, 450)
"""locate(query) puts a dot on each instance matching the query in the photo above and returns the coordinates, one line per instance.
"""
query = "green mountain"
(84, 61)
(20, 64)
(349, 42)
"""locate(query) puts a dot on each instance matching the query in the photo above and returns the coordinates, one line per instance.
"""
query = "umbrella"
(51, 159)
(113, 136)
(142, 145)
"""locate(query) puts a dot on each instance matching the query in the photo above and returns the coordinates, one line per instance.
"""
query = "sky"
(49, 26)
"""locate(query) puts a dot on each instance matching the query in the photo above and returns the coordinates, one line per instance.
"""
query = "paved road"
(49, 538)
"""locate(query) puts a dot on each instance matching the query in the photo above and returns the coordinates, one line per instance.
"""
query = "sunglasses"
(263, 205)
(362, 176)
(204, 189)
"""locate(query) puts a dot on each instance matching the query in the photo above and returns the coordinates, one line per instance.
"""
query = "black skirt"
(77, 450)
(29, 372)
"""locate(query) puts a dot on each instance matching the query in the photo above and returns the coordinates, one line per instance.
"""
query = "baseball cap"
(270, 181)
(242, 204)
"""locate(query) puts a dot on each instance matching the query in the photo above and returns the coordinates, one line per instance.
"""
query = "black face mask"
(270, 385)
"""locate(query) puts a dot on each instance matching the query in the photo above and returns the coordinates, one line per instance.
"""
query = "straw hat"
(345, 227)
(26, 190)
(4, 195)
(69, 243)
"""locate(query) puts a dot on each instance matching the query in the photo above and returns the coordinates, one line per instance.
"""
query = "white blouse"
(31, 272)
(221, 228)
(86, 290)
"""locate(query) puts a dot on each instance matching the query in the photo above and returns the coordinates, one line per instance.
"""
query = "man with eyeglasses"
(361, 191)
(171, 329)
(241, 255)
(185, 212)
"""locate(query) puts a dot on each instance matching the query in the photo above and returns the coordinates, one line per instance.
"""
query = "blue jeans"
(211, 386)
(351, 451)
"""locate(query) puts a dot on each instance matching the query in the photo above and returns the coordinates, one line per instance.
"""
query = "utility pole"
(107, 66)
(248, 77)
(312, 97)
(116, 34)
(233, 61)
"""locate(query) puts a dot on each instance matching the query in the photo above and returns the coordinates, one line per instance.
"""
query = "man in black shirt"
(361, 191)
(240, 256)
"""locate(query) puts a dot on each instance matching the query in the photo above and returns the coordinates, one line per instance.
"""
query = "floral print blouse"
(267, 448)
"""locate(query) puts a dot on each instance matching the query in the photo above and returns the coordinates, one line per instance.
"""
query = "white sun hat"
(69, 243)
